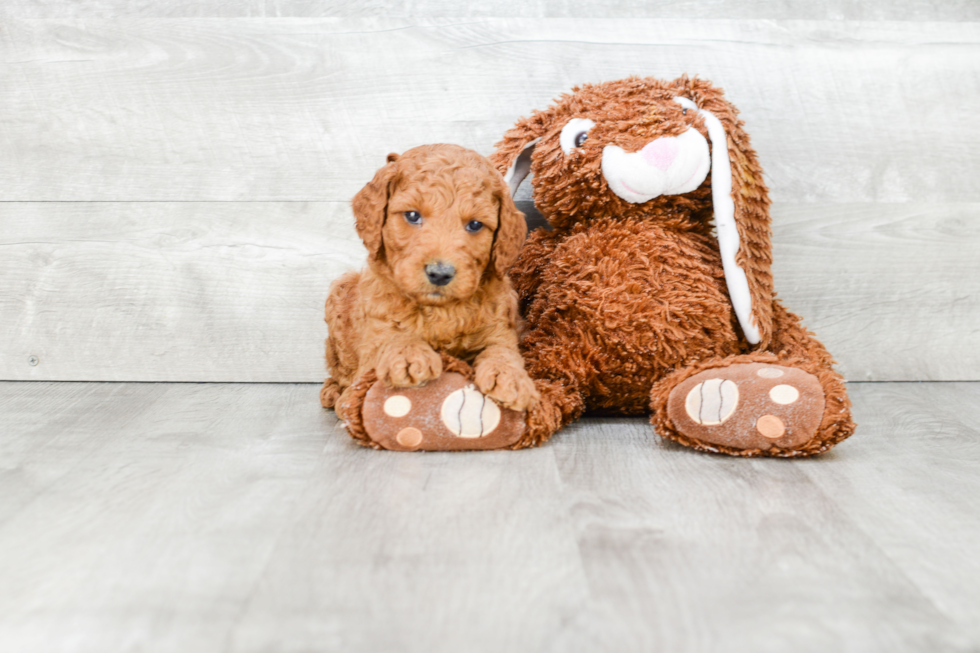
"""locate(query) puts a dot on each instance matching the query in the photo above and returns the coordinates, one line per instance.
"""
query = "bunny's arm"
(527, 270)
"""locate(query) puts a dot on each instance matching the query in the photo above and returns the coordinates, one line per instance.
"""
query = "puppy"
(441, 231)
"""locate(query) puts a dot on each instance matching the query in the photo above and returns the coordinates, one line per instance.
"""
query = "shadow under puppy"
(441, 231)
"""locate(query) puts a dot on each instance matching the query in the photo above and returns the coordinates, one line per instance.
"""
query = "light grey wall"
(917, 10)
(174, 177)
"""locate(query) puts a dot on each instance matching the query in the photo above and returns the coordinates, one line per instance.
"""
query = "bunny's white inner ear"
(724, 208)
(520, 168)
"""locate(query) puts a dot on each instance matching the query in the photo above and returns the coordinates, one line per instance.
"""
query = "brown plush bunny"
(634, 302)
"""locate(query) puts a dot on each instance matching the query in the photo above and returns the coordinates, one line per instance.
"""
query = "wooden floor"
(238, 517)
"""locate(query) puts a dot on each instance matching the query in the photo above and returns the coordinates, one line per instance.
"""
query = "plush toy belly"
(620, 304)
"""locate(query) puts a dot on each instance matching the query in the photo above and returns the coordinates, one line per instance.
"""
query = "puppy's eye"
(413, 217)
(474, 226)
(574, 133)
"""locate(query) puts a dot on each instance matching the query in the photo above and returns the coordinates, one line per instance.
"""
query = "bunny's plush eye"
(575, 133)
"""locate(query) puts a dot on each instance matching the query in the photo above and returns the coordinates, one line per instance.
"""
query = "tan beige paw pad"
(448, 413)
(748, 406)
(468, 413)
(784, 394)
(397, 406)
(712, 402)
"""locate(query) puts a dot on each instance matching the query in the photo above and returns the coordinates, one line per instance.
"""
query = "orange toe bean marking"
(409, 437)
(770, 426)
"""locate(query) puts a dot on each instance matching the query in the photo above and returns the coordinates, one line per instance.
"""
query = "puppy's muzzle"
(440, 273)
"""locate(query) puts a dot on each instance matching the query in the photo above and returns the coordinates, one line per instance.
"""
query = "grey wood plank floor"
(209, 517)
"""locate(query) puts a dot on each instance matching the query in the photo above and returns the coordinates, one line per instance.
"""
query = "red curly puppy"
(441, 231)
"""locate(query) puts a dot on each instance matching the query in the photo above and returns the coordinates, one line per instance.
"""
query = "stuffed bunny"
(652, 290)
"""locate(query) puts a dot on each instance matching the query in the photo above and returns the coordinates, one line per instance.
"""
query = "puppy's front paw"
(404, 366)
(509, 385)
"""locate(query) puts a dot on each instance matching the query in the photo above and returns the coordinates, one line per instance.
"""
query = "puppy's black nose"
(440, 273)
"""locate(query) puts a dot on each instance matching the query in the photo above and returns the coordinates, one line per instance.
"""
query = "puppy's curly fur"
(435, 205)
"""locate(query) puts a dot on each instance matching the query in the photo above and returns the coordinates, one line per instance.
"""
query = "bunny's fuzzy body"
(590, 318)
(630, 302)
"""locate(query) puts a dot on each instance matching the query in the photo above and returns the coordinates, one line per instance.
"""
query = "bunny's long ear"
(741, 210)
(512, 157)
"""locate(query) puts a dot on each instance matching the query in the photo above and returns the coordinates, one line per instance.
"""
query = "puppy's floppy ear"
(370, 207)
(741, 207)
(510, 234)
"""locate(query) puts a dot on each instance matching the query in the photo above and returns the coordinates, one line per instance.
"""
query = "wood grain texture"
(171, 517)
(710, 9)
(305, 109)
(235, 291)
(893, 290)
(177, 496)
(203, 518)
(915, 494)
(171, 291)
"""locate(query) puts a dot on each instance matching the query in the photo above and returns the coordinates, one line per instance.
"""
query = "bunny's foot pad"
(753, 406)
(447, 414)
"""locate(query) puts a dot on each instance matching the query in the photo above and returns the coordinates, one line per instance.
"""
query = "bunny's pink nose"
(661, 152)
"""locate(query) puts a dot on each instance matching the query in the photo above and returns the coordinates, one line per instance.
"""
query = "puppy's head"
(437, 221)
